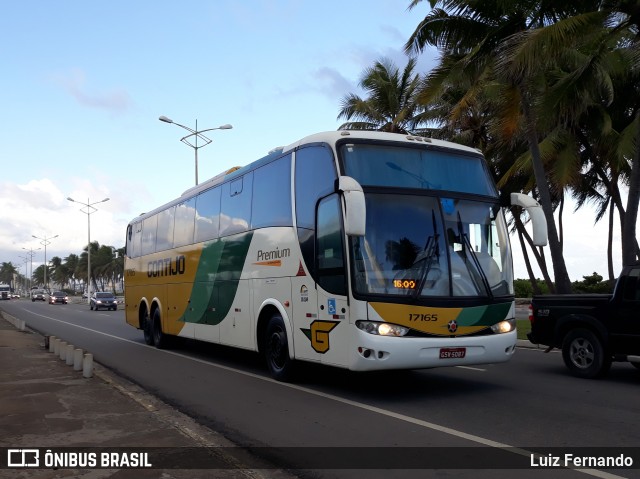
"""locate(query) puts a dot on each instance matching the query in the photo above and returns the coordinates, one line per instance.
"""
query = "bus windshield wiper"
(430, 250)
(467, 246)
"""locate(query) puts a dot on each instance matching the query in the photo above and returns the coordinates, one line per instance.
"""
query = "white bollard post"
(62, 350)
(51, 341)
(87, 366)
(77, 359)
(56, 346)
(69, 355)
(23, 325)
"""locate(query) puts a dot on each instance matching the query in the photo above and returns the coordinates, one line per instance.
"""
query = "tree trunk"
(532, 278)
(560, 223)
(562, 281)
(610, 243)
(629, 243)
(539, 255)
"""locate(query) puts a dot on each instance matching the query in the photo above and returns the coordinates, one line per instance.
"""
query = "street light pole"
(26, 270)
(45, 241)
(31, 253)
(89, 209)
(194, 135)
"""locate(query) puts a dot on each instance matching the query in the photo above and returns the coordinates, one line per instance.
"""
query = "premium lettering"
(275, 254)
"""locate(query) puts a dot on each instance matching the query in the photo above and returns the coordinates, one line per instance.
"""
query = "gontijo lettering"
(166, 267)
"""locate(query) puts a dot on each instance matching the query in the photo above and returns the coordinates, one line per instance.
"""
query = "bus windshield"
(427, 244)
(432, 169)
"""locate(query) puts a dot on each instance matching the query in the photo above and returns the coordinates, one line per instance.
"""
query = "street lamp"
(88, 208)
(45, 241)
(195, 134)
(31, 253)
(26, 264)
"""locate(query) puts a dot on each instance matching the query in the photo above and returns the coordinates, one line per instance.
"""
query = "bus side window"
(271, 204)
(149, 227)
(235, 205)
(133, 248)
(207, 215)
(315, 177)
(184, 223)
(164, 239)
(127, 244)
(330, 246)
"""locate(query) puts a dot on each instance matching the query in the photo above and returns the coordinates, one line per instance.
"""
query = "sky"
(84, 83)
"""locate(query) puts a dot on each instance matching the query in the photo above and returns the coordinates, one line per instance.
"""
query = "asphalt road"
(528, 403)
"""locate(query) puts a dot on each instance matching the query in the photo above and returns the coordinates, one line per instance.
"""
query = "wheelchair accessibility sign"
(332, 306)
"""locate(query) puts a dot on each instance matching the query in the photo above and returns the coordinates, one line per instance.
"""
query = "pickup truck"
(593, 330)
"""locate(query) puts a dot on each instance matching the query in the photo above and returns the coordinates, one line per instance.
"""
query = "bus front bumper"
(371, 352)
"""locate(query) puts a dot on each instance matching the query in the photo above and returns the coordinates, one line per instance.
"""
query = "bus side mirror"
(538, 221)
(355, 211)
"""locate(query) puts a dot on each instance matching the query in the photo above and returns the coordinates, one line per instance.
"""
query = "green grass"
(524, 326)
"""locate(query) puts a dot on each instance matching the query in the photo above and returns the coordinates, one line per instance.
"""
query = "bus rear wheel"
(160, 339)
(276, 350)
(147, 330)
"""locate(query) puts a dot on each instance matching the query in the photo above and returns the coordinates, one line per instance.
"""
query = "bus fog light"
(382, 329)
(505, 326)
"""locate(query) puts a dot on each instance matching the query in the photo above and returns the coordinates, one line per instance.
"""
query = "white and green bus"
(355, 249)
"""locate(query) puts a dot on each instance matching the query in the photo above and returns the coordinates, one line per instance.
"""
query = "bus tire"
(160, 339)
(276, 350)
(147, 330)
(584, 354)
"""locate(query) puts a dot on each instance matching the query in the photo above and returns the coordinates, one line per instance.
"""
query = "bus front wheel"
(276, 351)
(160, 339)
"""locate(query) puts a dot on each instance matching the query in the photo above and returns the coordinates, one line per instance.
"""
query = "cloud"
(40, 207)
(74, 82)
(331, 83)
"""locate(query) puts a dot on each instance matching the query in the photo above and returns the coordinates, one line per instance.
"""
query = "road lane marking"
(376, 410)
(540, 350)
(472, 369)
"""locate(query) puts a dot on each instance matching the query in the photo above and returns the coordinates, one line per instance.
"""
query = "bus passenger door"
(304, 301)
(329, 332)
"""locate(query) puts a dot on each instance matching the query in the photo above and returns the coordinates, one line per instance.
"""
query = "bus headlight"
(382, 329)
(505, 326)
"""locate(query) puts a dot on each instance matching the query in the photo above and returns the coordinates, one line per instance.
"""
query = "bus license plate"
(452, 353)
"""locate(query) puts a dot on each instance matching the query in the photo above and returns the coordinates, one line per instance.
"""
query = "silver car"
(103, 300)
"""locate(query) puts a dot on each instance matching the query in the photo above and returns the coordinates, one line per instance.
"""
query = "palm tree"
(105, 267)
(70, 266)
(81, 268)
(38, 275)
(391, 103)
(465, 114)
(58, 274)
(7, 272)
(477, 36)
(595, 93)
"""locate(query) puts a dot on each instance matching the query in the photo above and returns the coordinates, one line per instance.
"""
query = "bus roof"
(332, 137)
(328, 137)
